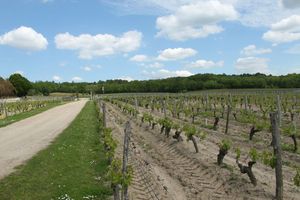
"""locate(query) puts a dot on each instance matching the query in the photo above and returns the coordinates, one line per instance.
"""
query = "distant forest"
(177, 84)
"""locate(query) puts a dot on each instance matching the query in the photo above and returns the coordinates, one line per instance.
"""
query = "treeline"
(18, 85)
(178, 84)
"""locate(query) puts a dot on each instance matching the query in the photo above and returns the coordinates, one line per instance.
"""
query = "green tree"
(21, 84)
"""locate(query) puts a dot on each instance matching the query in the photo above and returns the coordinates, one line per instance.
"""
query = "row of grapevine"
(186, 113)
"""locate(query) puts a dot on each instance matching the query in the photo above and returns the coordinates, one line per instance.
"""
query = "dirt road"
(21, 140)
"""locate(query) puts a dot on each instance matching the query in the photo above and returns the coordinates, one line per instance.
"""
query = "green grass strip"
(12, 119)
(72, 167)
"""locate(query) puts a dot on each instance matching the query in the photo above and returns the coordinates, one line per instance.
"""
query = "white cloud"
(176, 54)
(126, 78)
(87, 68)
(286, 30)
(77, 79)
(24, 38)
(291, 4)
(164, 73)
(252, 65)
(139, 58)
(90, 46)
(252, 13)
(155, 65)
(251, 50)
(205, 64)
(56, 78)
(195, 20)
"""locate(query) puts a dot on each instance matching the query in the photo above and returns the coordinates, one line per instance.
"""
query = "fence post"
(104, 114)
(5, 110)
(227, 118)
(277, 153)
(164, 108)
(136, 106)
(127, 132)
(246, 102)
(279, 110)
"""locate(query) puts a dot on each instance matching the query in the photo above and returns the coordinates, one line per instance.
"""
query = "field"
(197, 145)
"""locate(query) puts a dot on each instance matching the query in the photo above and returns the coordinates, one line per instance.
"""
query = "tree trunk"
(248, 170)
(221, 155)
(195, 143)
(252, 132)
(295, 142)
(125, 156)
(104, 114)
(217, 119)
(153, 125)
(167, 131)
(177, 136)
(227, 118)
(277, 152)
(116, 192)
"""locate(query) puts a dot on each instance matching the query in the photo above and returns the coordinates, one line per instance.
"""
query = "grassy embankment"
(72, 167)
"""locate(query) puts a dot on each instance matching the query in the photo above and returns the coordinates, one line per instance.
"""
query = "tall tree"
(21, 84)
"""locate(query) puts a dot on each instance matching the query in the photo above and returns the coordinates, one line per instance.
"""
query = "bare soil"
(197, 175)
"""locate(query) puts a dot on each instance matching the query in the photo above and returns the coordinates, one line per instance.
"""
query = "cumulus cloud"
(286, 30)
(164, 73)
(24, 38)
(126, 78)
(252, 50)
(195, 20)
(205, 64)
(87, 68)
(252, 65)
(291, 4)
(90, 46)
(155, 65)
(176, 54)
(77, 79)
(139, 58)
(56, 78)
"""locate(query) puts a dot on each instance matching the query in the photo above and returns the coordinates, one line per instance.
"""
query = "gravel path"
(23, 139)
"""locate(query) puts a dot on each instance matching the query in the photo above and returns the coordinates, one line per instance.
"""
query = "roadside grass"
(12, 119)
(72, 167)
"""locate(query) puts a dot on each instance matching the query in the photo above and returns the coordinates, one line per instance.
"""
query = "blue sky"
(73, 40)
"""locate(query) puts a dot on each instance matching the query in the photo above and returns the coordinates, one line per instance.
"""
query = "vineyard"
(208, 145)
(11, 108)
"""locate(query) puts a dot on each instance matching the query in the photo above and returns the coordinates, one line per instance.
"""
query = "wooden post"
(164, 108)
(230, 99)
(227, 118)
(127, 132)
(136, 106)
(279, 110)
(246, 103)
(104, 114)
(277, 153)
(5, 110)
(207, 102)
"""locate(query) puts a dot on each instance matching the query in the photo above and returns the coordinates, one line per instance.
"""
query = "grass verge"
(72, 167)
(12, 119)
